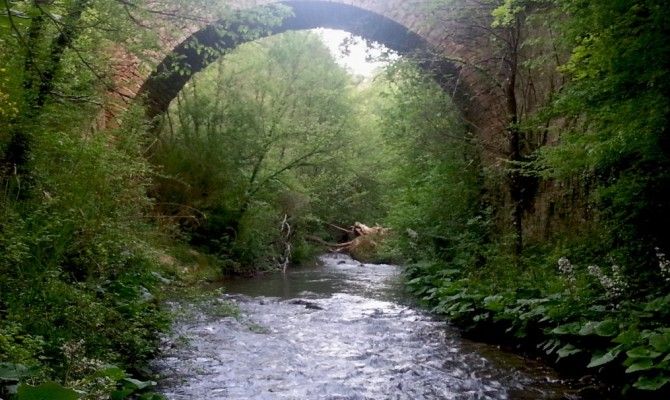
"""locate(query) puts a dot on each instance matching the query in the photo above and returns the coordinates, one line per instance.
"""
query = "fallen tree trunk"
(366, 240)
(363, 230)
(320, 241)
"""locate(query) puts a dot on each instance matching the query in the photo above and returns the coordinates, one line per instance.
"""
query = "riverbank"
(625, 344)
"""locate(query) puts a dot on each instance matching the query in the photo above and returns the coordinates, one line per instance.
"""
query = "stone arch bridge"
(456, 43)
(441, 44)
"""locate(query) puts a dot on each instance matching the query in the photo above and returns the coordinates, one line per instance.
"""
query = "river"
(341, 330)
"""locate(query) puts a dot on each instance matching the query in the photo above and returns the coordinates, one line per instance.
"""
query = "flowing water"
(342, 330)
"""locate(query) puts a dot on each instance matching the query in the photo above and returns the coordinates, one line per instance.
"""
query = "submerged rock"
(308, 304)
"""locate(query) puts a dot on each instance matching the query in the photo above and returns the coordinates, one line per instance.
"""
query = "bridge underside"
(188, 58)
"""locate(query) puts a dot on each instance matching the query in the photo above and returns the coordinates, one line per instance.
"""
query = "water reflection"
(334, 273)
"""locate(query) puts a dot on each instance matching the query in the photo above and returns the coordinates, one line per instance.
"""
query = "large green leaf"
(641, 364)
(137, 384)
(627, 337)
(46, 391)
(642, 352)
(655, 383)
(122, 394)
(494, 303)
(13, 372)
(572, 328)
(112, 372)
(661, 342)
(567, 351)
(607, 328)
(588, 328)
(603, 358)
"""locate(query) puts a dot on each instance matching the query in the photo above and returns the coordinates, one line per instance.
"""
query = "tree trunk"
(514, 137)
(38, 83)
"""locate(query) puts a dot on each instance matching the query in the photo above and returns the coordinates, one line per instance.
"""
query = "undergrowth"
(587, 319)
(83, 267)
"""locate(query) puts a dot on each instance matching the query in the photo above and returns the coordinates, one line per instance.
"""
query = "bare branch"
(15, 28)
(169, 14)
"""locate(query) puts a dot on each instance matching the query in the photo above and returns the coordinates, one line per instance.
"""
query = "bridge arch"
(187, 58)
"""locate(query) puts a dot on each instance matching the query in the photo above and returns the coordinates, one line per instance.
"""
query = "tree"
(433, 184)
(616, 105)
(514, 52)
(255, 129)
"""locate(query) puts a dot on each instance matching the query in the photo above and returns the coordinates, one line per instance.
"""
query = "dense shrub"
(79, 261)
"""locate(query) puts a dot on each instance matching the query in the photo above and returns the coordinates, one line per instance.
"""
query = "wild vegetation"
(267, 152)
(250, 150)
(82, 251)
(595, 293)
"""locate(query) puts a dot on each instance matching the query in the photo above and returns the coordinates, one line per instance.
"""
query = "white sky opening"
(355, 54)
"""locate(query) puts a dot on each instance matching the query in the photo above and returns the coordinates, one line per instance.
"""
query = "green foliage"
(109, 380)
(433, 179)
(618, 102)
(610, 119)
(505, 13)
(274, 143)
(78, 248)
(46, 391)
(78, 260)
(254, 149)
(567, 320)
